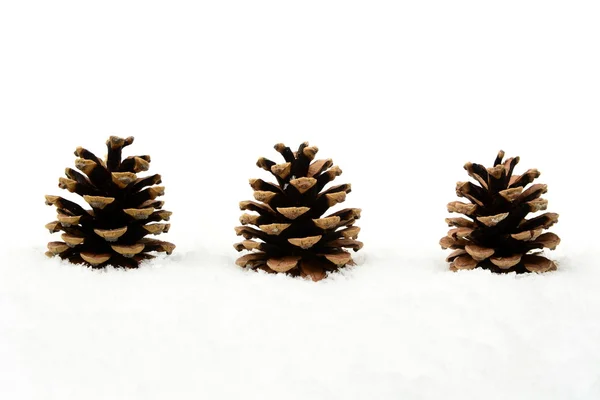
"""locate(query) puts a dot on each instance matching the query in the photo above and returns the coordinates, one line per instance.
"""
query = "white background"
(400, 95)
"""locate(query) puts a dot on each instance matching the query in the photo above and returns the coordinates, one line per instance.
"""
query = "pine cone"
(123, 209)
(495, 235)
(293, 237)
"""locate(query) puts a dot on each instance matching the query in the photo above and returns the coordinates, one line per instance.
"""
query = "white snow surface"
(400, 95)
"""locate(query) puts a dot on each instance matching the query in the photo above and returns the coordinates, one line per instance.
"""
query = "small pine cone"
(124, 210)
(292, 236)
(495, 234)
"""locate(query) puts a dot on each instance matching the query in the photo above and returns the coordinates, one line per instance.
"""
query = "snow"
(400, 95)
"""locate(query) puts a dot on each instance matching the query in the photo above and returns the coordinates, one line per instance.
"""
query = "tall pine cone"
(292, 236)
(123, 210)
(495, 235)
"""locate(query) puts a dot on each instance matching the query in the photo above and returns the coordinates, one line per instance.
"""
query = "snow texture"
(400, 95)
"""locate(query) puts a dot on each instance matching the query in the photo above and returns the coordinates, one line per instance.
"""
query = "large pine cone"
(495, 235)
(123, 210)
(292, 236)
